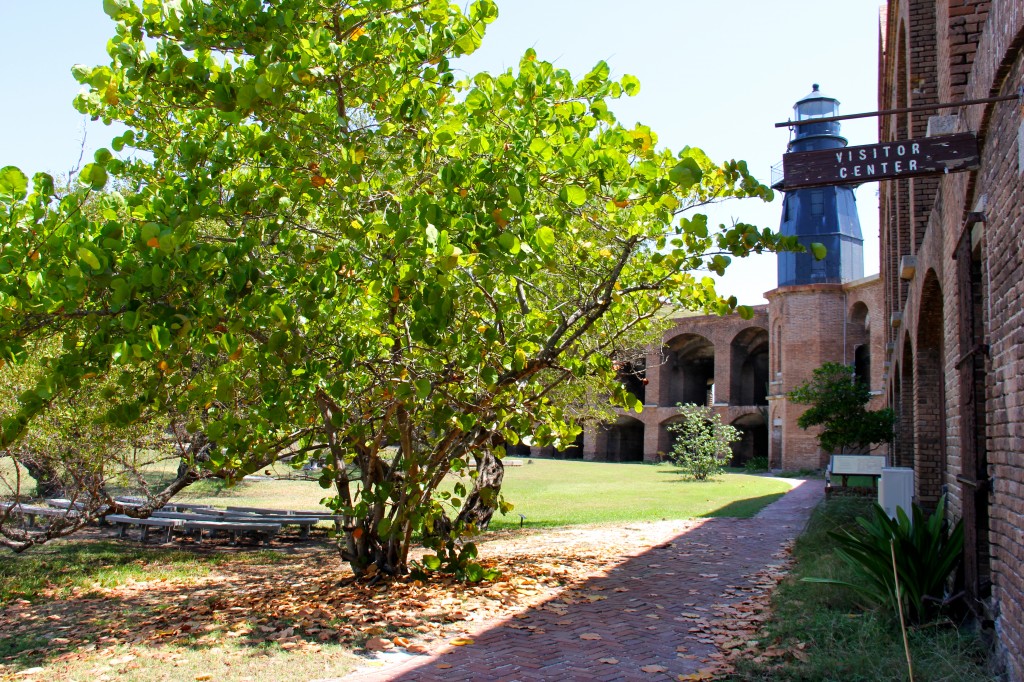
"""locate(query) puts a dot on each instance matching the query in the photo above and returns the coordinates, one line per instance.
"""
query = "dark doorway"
(633, 375)
(753, 440)
(974, 479)
(749, 385)
(624, 441)
(689, 372)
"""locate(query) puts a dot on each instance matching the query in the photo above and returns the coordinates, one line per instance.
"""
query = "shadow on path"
(640, 613)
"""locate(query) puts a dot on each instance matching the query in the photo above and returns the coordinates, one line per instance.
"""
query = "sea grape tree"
(327, 241)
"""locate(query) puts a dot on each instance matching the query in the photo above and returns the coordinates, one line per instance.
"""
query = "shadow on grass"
(62, 567)
(743, 509)
(52, 593)
(634, 605)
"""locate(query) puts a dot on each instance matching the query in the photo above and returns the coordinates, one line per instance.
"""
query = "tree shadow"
(641, 610)
(652, 609)
(744, 508)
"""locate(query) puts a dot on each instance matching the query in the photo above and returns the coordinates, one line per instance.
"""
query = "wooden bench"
(845, 466)
(336, 519)
(124, 522)
(262, 531)
(305, 523)
(31, 511)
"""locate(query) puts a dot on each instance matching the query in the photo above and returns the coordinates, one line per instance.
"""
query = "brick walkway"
(642, 614)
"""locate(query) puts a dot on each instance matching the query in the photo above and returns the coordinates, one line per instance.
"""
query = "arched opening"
(862, 364)
(623, 441)
(517, 450)
(633, 375)
(858, 337)
(689, 372)
(972, 376)
(753, 440)
(930, 396)
(904, 451)
(749, 375)
(574, 451)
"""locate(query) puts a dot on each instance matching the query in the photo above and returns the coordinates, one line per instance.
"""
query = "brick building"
(824, 310)
(705, 359)
(953, 278)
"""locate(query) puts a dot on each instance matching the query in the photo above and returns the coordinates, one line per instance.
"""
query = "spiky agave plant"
(927, 551)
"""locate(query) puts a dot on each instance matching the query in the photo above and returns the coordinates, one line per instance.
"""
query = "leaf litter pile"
(305, 603)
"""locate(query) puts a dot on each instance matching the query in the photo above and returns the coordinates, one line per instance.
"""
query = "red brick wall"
(976, 53)
(658, 412)
(812, 325)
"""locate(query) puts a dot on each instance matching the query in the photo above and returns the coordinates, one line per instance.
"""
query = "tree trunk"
(48, 483)
(481, 503)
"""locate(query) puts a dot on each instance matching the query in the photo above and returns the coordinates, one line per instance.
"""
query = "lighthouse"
(823, 310)
(827, 215)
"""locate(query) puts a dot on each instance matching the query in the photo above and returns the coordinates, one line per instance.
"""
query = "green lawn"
(547, 492)
(558, 493)
(63, 566)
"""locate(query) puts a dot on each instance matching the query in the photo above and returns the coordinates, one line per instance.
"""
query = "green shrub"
(701, 448)
(756, 465)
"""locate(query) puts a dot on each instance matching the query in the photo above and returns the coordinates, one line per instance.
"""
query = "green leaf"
(263, 87)
(577, 196)
(432, 562)
(13, 183)
(93, 175)
(545, 238)
(819, 250)
(697, 226)
(423, 387)
(474, 572)
(508, 242)
(686, 174)
(630, 85)
(149, 230)
(88, 257)
(119, 10)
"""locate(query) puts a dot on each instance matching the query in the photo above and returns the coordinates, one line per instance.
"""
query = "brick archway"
(749, 367)
(904, 455)
(930, 395)
(688, 373)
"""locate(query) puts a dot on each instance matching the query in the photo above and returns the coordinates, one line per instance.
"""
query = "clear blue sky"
(715, 75)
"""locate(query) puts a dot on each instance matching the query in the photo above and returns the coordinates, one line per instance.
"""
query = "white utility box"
(896, 489)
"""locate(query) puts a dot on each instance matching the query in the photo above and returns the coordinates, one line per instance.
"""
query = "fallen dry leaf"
(461, 641)
(590, 636)
(609, 661)
(654, 669)
(378, 644)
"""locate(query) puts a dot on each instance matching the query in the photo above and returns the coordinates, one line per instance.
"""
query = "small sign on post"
(882, 161)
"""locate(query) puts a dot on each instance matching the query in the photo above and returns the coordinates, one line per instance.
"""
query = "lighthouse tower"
(822, 309)
(827, 215)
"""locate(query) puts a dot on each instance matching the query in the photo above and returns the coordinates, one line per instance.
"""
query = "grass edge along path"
(821, 632)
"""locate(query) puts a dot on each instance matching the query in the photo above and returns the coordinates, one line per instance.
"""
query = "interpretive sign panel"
(882, 161)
